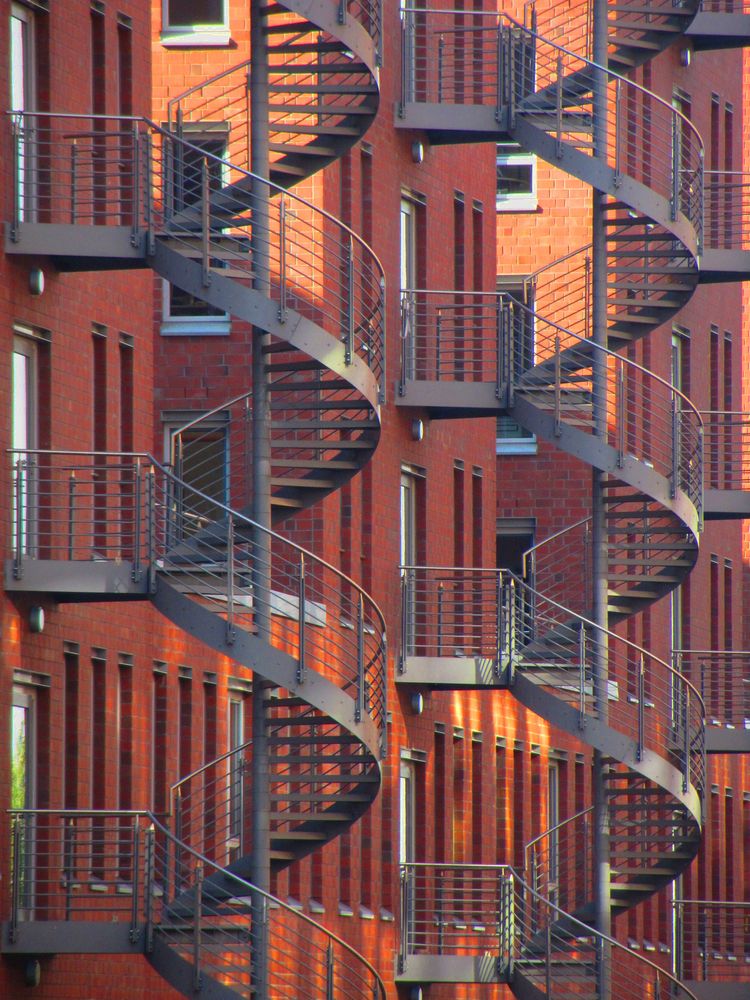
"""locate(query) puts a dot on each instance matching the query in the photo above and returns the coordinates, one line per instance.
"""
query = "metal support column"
(601, 823)
(261, 484)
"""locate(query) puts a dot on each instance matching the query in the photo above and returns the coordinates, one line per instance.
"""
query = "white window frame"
(526, 201)
(208, 325)
(196, 34)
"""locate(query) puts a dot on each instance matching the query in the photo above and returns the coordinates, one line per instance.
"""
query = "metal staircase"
(481, 76)
(109, 193)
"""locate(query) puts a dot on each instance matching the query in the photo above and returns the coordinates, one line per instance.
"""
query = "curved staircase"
(483, 76)
(314, 640)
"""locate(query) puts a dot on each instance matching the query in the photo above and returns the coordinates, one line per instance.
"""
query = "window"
(203, 464)
(407, 812)
(516, 179)
(236, 769)
(23, 789)
(512, 439)
(408, 284)
(182, 312)
(23, 98)
(195, 22)
(23, 437)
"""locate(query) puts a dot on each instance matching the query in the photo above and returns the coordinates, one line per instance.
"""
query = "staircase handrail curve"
(529, 555)
(674, 115)
(499, 571)
(369, 276)
(375, 620)
(558, 260)
(274, 901)
(275, 536)
(612, 635)
(676, 682)
(678, 989)
(531, 844)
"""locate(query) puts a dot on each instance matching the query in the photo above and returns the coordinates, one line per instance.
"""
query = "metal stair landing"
(314, 641)
(532, 357)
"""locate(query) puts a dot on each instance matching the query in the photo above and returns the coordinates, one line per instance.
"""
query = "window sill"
(515, 447)
(516, 205)
(198, 327)
(197, 38)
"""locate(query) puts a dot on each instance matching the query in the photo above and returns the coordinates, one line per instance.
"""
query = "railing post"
(73, 182)
(361, 679)
(676, 150)
(137, 515)
(558, 367)
(404, 937)
(135, 874)
(582, 676)
(686, 737)
(71, 514)
(405, 599)
(703, 944)
(68, 869)
(231, 632)
(205, 224)
(349, 300)
(641, 707)
(197, 907)
(438, 344)
(675, 444)
(679, 944)
(148, 187)
(440, 589)
(282, 259)
(620, 413)
(505, 926)
(148, 888)
(18, 159)
(301, 612)
(329, 971)
(19, 519)
(618, 131)
(150, 527)
(135, 180)
(15, 902)
(441, 56)
(559, 106)
(439, 908)
(548, 956)
(499, 623)
(511, 64)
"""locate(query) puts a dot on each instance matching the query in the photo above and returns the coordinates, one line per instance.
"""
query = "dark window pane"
(186, 13)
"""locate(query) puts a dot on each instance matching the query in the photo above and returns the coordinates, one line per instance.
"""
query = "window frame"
(509, 154)
(208, 324)
(199, 33)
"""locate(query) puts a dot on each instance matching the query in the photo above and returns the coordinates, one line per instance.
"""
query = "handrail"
(613, 943)
(499, 16)
(275, 901)
(552, 829)
(276, 188)
(524, 586)
(530, 554)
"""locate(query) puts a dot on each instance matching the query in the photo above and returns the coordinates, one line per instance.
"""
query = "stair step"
(312, 464)
(320, 797)
(320, 777)
(323, 404)
(321, 444)
(663, 27)
(298, 835)
(349, 90)
(309, 817)
(343, 110)
(634, 43)
(325, 425)
(310, 149)
(312, 482)
(337, 759)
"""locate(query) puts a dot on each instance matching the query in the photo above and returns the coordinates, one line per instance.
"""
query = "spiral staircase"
(483, 76)
(132, 194)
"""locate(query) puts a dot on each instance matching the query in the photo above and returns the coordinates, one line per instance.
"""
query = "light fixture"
(416, 993)
(36, 281)
(32, 972)
(686, 56)
(416, 701)
(417, 429)
(417, 151)
(36, 618)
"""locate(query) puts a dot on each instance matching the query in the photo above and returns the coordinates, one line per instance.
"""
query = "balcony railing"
(723, 679)
(505, 625)
(93, 873)
(712, 940)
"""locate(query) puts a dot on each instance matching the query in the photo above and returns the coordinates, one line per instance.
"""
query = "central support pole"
(601, 826)
(261, 485)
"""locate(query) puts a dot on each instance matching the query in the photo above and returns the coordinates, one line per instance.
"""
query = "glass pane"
(186, 13)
